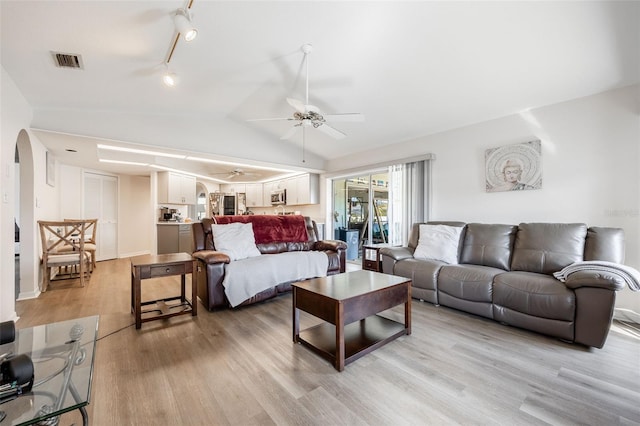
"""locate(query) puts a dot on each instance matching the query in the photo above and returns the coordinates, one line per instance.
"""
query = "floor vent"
(67, 60)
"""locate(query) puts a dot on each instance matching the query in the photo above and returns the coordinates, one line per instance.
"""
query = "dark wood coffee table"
(348, 303)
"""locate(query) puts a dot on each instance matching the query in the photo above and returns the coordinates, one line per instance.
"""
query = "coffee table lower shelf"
(360, 337)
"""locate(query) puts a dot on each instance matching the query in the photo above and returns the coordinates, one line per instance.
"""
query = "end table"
(371, 260)
(162, 265)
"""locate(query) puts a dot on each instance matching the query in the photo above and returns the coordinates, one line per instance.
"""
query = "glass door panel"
(361, 211)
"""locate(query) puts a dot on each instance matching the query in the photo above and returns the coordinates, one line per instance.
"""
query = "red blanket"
(272, 228)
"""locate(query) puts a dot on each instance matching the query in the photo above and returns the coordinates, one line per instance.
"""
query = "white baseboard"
(28, 295)
(626, 315)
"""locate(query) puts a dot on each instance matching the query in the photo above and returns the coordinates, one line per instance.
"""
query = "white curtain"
(409, 198)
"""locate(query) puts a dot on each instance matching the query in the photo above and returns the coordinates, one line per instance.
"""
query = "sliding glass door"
(361, 211)
(381, 206)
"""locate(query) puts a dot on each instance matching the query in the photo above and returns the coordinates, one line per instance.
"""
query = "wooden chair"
(90, 245)
(62, 246)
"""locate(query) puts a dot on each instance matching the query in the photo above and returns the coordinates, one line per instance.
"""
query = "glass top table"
(62, 355)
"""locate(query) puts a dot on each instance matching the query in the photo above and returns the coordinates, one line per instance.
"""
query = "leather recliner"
(211, 263)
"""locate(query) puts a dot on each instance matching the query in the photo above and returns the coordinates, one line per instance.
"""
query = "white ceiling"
(412, 68)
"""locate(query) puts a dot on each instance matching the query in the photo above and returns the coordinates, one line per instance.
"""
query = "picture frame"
(51, 169)
(516, 167)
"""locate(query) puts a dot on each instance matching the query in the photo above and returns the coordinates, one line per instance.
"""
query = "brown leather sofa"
(211, 263)
(505, 272)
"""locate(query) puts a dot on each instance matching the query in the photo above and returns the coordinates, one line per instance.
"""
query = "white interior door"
(101, 202)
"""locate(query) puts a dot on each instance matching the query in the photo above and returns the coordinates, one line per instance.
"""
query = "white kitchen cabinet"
(233, 188)
(303, 189)
(291, 185)
(175, 188)
(267, 187)
(255, 196)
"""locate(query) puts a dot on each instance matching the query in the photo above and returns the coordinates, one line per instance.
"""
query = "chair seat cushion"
(534, 294)
(63, 258)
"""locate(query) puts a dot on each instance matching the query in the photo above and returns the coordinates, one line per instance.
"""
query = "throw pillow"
(438, 242)
(236, 240)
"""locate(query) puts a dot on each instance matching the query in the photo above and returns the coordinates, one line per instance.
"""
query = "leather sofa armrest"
(211, 256)
(334, 245)
(596, 279)
(396, 253)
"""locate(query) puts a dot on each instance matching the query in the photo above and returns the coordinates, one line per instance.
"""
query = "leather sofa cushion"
(548, 247)
(488, 245)
(534, 294)
(423, 273)
(468, 282)
(282, 247)
(604, 244)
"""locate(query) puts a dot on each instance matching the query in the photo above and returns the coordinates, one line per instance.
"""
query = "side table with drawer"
(371, 257)
(156, 266)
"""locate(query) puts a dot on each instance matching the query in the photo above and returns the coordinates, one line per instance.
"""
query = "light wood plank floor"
(240, 367)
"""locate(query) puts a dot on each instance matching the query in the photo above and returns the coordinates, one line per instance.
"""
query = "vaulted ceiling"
(412, 68)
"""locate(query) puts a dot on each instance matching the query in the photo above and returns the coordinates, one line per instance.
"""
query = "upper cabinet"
(267, 187)
(233, 188)
(303, 189)
(175, 188)
(254, 193)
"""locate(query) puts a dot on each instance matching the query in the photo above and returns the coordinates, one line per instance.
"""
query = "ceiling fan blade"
(297, 105)
(336, 134)
(292, 131)
(270, 119)
(349, 116)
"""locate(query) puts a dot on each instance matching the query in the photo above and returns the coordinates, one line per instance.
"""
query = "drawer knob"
(167, 271)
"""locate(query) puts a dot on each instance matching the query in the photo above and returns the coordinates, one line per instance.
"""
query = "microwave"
(278, 197)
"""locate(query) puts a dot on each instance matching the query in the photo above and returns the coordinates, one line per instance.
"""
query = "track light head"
(182, 20)
(169, 78)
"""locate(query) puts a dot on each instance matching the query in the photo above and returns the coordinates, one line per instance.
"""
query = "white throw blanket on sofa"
(628, 274)
(247, 277)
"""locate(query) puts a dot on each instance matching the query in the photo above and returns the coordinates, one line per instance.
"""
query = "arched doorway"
(202, 195)
(29, 259)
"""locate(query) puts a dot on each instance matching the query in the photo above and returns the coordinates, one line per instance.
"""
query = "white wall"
(70, 179)
(590, 158)
(135, 220)
(15, 114)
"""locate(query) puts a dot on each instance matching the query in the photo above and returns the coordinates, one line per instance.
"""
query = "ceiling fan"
(235, 173)
(307, 115)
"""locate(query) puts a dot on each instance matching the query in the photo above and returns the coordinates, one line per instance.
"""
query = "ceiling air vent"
(67, 60)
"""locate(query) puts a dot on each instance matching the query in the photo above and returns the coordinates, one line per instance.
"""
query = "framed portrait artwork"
(515, 167)
(51, 169)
